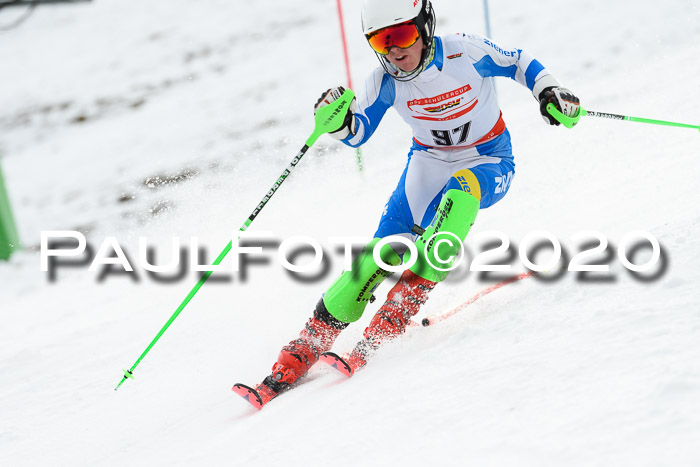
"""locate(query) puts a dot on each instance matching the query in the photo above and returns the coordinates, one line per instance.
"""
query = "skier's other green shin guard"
(347, 298)
(438, 247)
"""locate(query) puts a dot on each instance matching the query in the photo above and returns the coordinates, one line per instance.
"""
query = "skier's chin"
(407, 71)
(403, 68)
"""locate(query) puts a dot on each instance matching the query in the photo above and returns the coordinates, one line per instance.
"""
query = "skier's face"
(406, 59)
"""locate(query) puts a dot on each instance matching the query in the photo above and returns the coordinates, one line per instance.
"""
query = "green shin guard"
(437, 246)
(347, 298)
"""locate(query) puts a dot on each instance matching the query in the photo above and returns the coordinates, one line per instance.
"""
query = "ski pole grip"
(330, 118)
(568, 122)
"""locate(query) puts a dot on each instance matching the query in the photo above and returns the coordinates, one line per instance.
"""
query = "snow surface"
(172, 118)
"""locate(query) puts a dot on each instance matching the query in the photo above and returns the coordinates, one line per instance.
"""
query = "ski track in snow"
(162, 119)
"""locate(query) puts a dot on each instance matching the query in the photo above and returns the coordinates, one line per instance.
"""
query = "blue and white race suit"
(456, 121)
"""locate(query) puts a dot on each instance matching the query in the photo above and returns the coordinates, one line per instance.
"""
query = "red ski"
(337, 362)
(257, 397)
(346, 364)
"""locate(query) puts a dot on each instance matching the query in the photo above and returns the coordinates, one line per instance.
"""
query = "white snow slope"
(215, 97)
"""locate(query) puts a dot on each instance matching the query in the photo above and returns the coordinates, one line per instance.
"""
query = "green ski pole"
(569, 122)
(328, 119)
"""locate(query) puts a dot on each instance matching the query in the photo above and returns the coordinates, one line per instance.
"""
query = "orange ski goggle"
(402, 35)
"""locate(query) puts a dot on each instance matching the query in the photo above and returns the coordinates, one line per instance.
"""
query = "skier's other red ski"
(249, 394)
(346, 364)
(337, 362)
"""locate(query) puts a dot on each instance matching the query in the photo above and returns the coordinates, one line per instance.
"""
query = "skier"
(460, 161)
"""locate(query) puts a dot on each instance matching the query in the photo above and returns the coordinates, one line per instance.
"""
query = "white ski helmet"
(379, 14)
